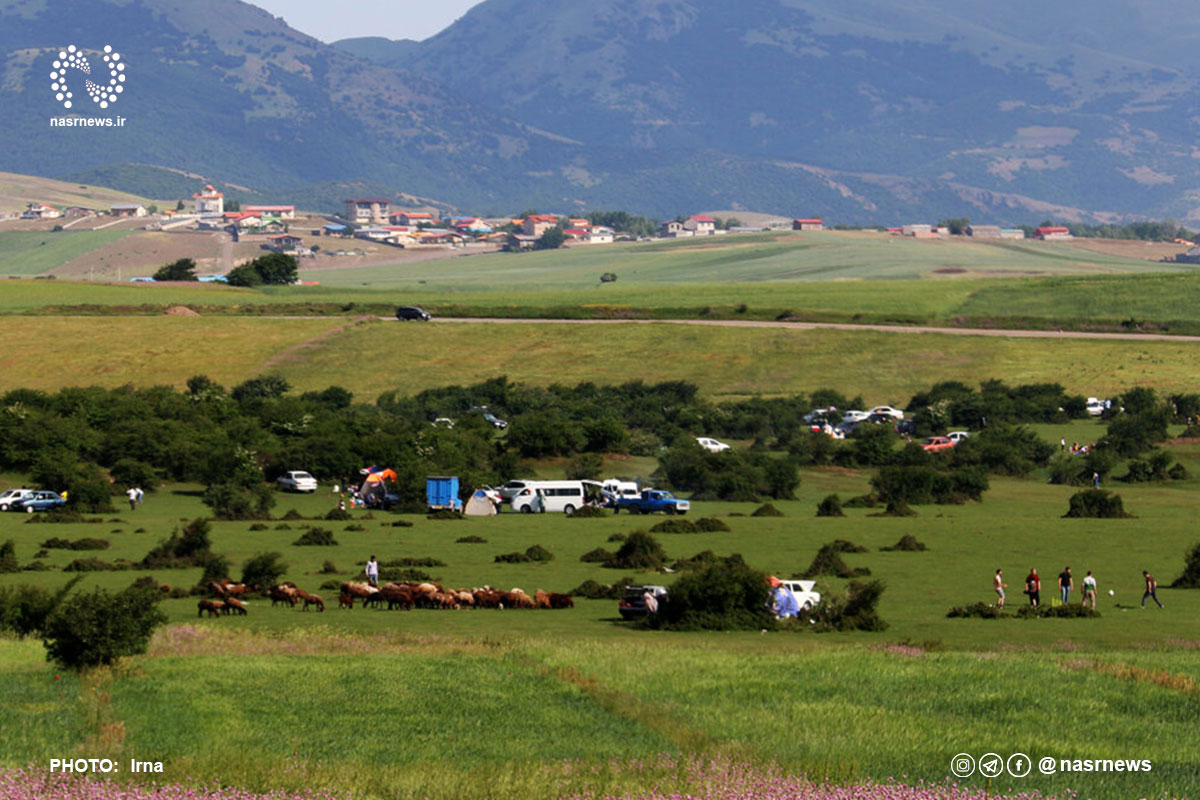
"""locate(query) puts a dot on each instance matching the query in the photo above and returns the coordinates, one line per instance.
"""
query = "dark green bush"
(258, 526)
(292, 515)
(617, 537)
(854, 610)
(539, 553)
(189, 547)
(711, 525)
(766, 510)
(93, 564)
(831, 506)
(1096, 504)
(399, 523)
(724, 595)
(97, 628)
(86, 543)
(24, 609)
(337, 515)
(355, 527)
(598, 556)
(216, 569)
(1178, 472)
(828, 561)
(445, 514)
(264, 570)
(1154, 468)
(976, 610)
(1190, 579)
(232, 501)
(328, 568)
(843, 546)
(511, 558)
(589, 512)
(413, 562)
(471, 540)
(640, 551)
(592, 590)
(674, 526)
(862, 501)
(8, 557)
(907, 543)
(316, 537)
(402, 574)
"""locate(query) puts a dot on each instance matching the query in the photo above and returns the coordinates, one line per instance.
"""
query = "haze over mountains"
(875, 111)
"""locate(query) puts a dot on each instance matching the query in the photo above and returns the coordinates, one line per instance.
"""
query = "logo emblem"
(103, 93)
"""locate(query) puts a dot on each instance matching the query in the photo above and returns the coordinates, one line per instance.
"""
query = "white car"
(296, 482)
(958, 436)
(894, 413)
(712, 445)
(806, 598)
(820, 414)
(1095, 406)
(11, 496)
(855, 416)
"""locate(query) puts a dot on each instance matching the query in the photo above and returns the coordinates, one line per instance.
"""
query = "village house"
(984, 231)
(1012, 233)
(368, 210)
(674, 229)
(812, 224)
(601, 235)
(78, 211)
(700, 226)
(283, 243)
(1052, 233)
(127, 210)
(283, 212)
(40, 211)
(520, 241)
(918, 231)
(1190, 257)
(537, 224)
(209, 201)
(412, 219)
(340, 231)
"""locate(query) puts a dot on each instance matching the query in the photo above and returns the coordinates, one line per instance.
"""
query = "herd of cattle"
(406, 596)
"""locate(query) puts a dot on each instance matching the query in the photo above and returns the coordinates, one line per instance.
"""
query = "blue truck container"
(441, 492)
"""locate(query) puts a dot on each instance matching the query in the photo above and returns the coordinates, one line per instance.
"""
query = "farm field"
(33, 253)
(838, 705)
(374, 356)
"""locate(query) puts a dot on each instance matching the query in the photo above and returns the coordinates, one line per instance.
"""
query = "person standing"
(650, 602)
(1089, 590)
(373, 571)
(1095, 480)
(131, 493)
(1151, 589)
(999, 585)
(1033, 588)
(1062, 445)
(140, 494)
(1065, 584)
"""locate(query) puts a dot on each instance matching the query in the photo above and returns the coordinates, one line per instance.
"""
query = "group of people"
(1066, 583)
(135, 495)
(1076, 448)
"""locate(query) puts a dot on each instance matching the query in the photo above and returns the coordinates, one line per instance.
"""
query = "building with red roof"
(811, 224)
(1051, 233)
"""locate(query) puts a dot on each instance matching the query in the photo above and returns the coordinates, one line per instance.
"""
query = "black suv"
(405, 313)
(633, 605)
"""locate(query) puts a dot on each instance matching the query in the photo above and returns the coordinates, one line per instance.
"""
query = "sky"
(394, 19)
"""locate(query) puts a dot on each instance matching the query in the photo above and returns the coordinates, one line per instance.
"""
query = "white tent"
(480, 505)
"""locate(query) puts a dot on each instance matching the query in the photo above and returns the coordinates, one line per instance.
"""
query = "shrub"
(907, 543)
(617, 537)
(1067, 470)
(292, 515)
(1150, 469)
(337, 515)
(283, 526)
(471, 540)
(828, 561)
(855, 610)
(585, 466)
(413, 562)
(398, 523)
(831, 506)
(698, 561)
(60, 516)
(131, 472)
(258, 526)
(97, 628)
(1190, 579)
(93, 564)
(332, 586)
(766, 510)
(402, 574)
(979, 610)
(843, 546)
(316, 537)
(232, 501)
(187, 548)
(711, 525)
(1069, 611)
(328, 568)
(674, 526)
(597, 556)
(25, 609)
(36, 566)
(600, 591)
(511, 558)
(724, 595)
(1178, 472)
(1096, 504)
(264, 570)
(640, 551)
(8, 557)
(183, 269)
(355, 527)
(895, 508)
(862, 501)
(589, 512)
(539, 553)
(922, 485)
(445, 514)
(216, 569)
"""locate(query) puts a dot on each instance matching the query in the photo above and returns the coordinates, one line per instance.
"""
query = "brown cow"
(236, 589)
(313, 600)
(234, 606)
(283, 594)
(541, 599)
(488, 598)
(213, 607)
(216, 588)
(561, 600)
(517, 599)
(394, 595)
(346, 601)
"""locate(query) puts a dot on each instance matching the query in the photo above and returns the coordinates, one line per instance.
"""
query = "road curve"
(835, 326)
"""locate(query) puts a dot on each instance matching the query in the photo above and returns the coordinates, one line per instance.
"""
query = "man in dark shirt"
(1033, 587)
(1065, 584)
(1151, 589)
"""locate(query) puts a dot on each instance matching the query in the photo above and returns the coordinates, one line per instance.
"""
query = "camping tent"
(375, 483)
(480, 505)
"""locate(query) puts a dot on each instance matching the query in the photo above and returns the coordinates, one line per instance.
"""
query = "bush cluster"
(316, 537)
(86, 543)
(1096, 504)
(723, 595)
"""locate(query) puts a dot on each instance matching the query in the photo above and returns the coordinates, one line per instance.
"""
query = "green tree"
(244, 275)
(97, 628)
(264, 570)
(182, 270)
(957, 225)
(552, 239)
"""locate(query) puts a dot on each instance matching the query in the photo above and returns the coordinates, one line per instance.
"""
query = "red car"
(936, 444)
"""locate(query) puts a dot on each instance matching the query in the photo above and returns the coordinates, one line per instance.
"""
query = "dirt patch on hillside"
(180, 311)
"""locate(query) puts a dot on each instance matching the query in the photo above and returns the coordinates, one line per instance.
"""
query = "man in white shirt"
(373, 572)
(131, 493)
(1089, 590)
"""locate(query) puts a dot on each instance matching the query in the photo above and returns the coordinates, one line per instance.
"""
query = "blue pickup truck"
(650, 501)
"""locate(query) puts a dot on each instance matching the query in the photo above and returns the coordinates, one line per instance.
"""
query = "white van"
(619, 487)
(564, 496)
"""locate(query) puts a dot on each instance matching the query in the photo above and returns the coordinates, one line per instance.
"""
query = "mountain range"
(876, 111)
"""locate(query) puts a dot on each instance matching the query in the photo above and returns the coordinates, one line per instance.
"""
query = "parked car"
(936, 444)
(906, 427)
(11, 496)
(847, 427)
(296, 481)
(493, 495)
(855, 416)
(651, 501)
(712, 445)
(39, 501)
(958, 436)
(820, 415)
(511, 489)
(881, 419)
(894, 413)
(443, 422)
(1095, 406)
(806, 598)
(633, 604)
(490, 417)
(406, 313)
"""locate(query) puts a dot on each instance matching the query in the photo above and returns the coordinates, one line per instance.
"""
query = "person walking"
(1065, 584)
(140, 494)
(1095, 480)
(1151, 589)
(1062, 445)
(373, 571)
(1033, 588)
(999, 585)
(131, 493)
(1089, 590)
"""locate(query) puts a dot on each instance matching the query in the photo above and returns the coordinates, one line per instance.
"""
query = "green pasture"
(35, 252)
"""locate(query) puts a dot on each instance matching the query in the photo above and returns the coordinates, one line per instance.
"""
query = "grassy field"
(18, 190)
(375, 356)
(32, 253)
(485, 702)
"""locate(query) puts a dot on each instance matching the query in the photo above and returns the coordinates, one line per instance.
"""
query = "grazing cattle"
(394, 596)
(283, 594)
(517, 599)
(313, 600)
(234, 606)
(216, 589)
(488, 598)
(561, 600)
(363, 591)
(236, 589)
(541, 599)
(213, 607)
(464, 597)
(346, 601)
